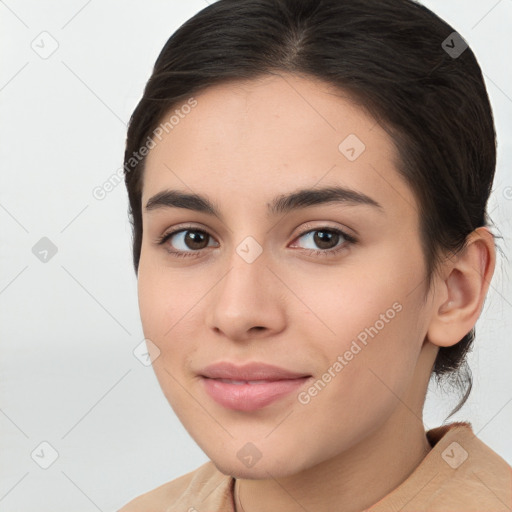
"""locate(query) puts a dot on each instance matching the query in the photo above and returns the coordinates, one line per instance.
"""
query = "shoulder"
(460, 474)
(205, 486)
(478, 476)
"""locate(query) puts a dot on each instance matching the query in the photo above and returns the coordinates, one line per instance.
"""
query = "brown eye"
(326, 239)
(185, 241)
(195, 239)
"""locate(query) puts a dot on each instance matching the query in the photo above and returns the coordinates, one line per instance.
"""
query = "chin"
(264, 469)
(257, 472)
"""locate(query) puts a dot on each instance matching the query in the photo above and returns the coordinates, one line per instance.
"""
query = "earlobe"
(459, 298)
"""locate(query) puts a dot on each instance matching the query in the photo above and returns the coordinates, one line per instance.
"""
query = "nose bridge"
(249, 250)
(247, 264)
(249, 243)
(248, 233)
(243, 297)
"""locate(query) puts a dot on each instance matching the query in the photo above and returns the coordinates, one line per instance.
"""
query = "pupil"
(195, 238)
(324, 238)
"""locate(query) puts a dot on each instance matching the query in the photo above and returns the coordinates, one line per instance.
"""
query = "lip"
(249, 371)
(229, 386)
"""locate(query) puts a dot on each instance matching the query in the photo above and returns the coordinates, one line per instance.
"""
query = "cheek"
(370, 313)
(350, 301)
(160, 306)
(154, 303)
(163, 296)
(169, 312)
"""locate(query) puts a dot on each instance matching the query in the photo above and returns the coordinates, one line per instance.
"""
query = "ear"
(460, 295)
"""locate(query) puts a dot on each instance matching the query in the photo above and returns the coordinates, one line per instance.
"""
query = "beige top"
(459, 474)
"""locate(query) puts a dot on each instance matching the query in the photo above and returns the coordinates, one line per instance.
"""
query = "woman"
(308, 184)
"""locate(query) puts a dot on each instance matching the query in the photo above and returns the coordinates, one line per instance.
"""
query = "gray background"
(68, 375)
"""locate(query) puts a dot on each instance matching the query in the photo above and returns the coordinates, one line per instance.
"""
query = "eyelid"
(309, 226)
(162, 239)
(349, 240)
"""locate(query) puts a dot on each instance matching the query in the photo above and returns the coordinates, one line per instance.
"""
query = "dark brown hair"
(399, 61)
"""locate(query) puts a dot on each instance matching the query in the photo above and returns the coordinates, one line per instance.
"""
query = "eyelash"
(349, 240)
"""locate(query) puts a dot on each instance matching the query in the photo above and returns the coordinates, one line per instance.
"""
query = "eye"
(190, 241)
(327, 239)
(186, 241)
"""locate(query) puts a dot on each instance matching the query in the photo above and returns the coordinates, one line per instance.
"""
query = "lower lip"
(250, 397)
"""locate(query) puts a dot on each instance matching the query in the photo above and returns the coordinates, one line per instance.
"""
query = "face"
(326, 286)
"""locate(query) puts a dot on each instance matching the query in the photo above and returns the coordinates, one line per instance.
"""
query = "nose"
(248, 301)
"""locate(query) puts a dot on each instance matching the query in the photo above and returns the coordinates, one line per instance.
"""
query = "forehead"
(278, 133)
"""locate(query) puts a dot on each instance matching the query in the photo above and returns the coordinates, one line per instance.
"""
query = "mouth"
(241, 382)
(249, 387)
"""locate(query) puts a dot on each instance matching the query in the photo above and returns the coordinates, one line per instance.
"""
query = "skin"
(243, 144)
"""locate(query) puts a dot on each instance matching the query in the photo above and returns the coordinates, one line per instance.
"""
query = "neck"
(384, 459)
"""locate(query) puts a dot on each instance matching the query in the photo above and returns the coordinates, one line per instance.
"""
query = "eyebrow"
(300, 199)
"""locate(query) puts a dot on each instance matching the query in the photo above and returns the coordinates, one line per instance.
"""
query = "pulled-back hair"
(396, 59)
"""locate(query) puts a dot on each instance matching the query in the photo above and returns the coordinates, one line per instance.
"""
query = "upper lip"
(249, 371)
